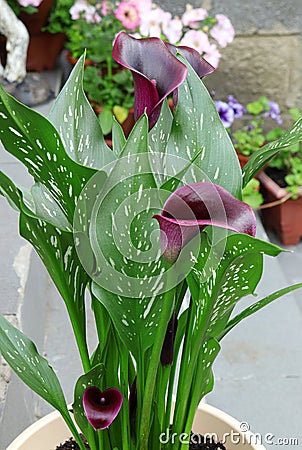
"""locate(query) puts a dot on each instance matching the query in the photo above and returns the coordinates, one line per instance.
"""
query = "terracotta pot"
(48, 432)
(44, 50)
(281, 213)
(44, 47)
(242, 159)
(34, 22)
(72, 60)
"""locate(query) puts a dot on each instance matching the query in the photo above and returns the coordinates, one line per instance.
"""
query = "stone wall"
(266, 56)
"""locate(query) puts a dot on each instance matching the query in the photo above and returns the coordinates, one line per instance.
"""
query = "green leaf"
(126, 248)
(118, 138)
(106, 121)
(45, 207)
(91, 378)
(158, 139)
(34, 370)
(223, 274)
(197, 124)
(172, 183)
(56, 247)
(257, 306)
(260, 158)
(32, 139)
(78, 125)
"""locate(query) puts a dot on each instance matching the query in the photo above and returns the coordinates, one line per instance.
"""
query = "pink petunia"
(34, 3)
(128, 15)
(196, 39)
(153, 21)
(193, 16)
(223, 32)
(83, 9)
(212, 55)
(142, 6)
(173, 30)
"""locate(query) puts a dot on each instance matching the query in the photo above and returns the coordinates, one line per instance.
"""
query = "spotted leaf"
(91, 378)
(125, 241)
(34, 370)
(78, 125)
(197, 124)
(33, 140)
(222, 275)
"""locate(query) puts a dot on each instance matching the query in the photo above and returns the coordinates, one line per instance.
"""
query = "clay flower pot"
(50, 431)
(44, 47)
(281, 213)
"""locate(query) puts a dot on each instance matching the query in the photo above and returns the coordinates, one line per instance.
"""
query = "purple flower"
(238, 108)
(101, 408)
(191, 208)
(156, 72)
(273, 112)
(226, 113)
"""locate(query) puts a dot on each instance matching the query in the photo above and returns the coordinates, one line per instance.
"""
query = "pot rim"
(212, 411)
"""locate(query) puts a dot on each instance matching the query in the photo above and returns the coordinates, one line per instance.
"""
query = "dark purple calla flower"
(156, 72)
(191, 208)
(198, 63)
(101, 408)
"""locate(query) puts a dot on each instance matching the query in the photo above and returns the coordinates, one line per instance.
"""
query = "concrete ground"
(258, 373)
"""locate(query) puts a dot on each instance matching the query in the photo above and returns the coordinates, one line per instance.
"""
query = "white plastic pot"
(50, 431)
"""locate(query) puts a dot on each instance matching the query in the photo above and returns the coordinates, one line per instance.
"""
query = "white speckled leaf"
(232, 277)
(158, 139)
(129, 260)
(56, 248)
(78, 125)
(33, 140)
(91, 378)
(197, 124)
(34, 370)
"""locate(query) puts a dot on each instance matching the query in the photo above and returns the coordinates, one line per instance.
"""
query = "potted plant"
(248, 135)
(137, 227)
(46, 22)
(282, 187)
(94, 27)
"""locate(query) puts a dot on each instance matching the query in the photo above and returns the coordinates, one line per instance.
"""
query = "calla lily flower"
(156, 72)
(198, 63)
(101, 408)
(189, 209)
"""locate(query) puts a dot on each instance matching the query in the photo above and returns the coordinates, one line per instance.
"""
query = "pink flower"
(212, 55)
(152, 22)
(142, 6)
(173, 30)
(82, 9)
(193, 16)
(34, 3)
(105, 8)
(223, 31)
(196, 39)
(128, 14)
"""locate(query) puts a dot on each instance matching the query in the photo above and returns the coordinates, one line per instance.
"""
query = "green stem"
(124, 366)
(80, 338)
(68, 420)
(184, 376)
(109, 439)
(168, 303)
